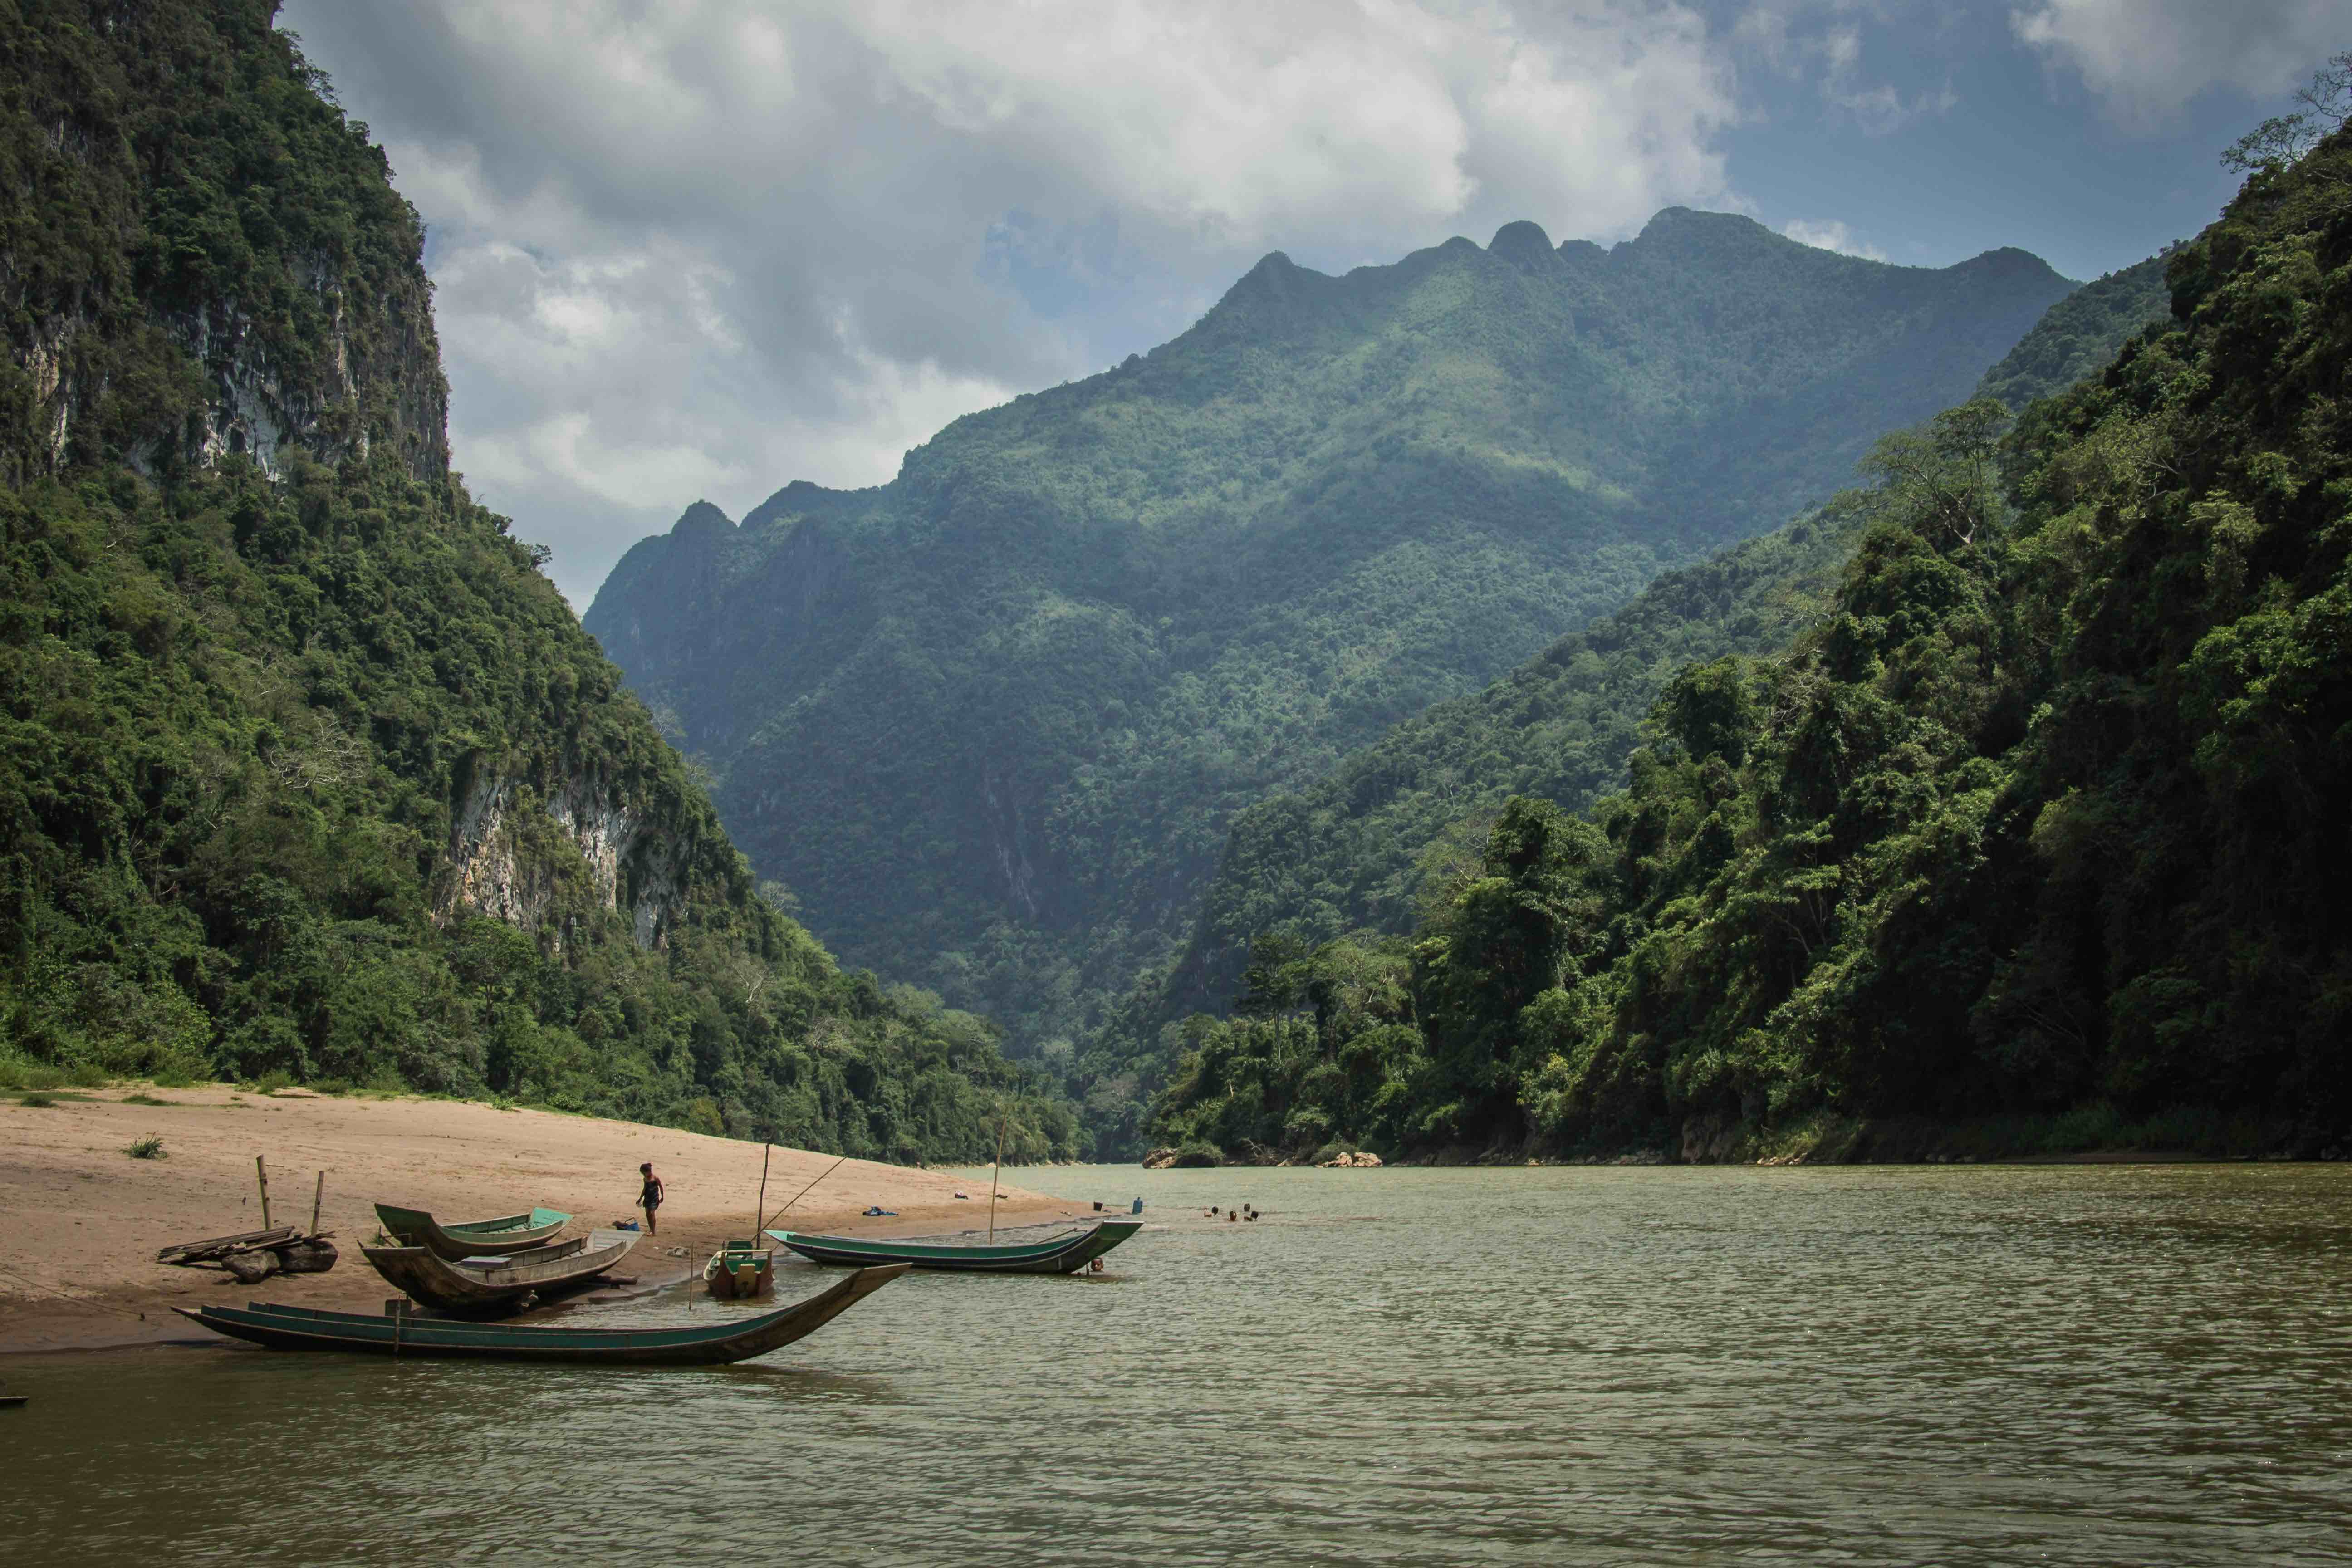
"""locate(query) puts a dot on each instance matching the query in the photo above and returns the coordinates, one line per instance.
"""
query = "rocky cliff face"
(171, 294)
(500, 865)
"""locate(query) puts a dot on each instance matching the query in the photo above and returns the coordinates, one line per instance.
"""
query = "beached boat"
(399, 1334)
(472, 1237)
(498, 1284)
(740, 1271)
(1063, 1253)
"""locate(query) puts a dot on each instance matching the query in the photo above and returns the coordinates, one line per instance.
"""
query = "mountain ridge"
(1080, 629)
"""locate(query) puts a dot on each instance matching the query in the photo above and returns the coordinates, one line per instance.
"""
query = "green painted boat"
(740, 1271)
(472, 1237)
(699, 1344)
(499, 1284)
(1056, 1255)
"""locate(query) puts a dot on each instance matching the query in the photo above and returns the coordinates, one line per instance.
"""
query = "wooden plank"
(219, 1245)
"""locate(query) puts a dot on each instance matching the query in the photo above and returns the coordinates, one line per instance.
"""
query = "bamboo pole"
(761, 1206)
(318, 1196)
(992, 1176)
(805, 1192)
(261, 1170)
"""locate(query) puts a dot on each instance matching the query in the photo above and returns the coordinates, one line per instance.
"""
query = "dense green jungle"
(2031, 840)
(991, 722)
(1353, 850)
(305, 770)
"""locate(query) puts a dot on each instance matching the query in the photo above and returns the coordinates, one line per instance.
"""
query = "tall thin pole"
(992, 1177)
(318, 1196)
(763, 1206)
(261, 1171)
(797, 1196)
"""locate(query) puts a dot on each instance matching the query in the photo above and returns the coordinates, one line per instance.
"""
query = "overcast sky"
(688, 249)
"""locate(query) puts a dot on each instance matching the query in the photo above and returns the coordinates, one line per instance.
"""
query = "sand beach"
(84, 1219)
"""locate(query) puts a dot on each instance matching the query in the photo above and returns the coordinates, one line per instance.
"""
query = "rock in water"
(1160, 1159)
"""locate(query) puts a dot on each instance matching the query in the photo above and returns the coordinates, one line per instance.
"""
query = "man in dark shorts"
(650, 1198)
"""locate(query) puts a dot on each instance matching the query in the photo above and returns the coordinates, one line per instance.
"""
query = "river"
(2144, 1365)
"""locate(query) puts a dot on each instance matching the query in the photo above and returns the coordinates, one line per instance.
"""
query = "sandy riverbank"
(84, 1220)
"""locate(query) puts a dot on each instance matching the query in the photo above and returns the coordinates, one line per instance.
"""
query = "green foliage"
(148, 1148)
(2038, 832)
(302, 768)
(991, 722)
(176, 180)
(2080, 334)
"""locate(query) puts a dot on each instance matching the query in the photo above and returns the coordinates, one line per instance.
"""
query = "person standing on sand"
(650, 1198)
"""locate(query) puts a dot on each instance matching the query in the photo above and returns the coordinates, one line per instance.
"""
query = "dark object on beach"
(740, 1271)
(312, 1255)
(498, 1284)
(399, 1334)
(13, 1401)
(251, 1267)
(1056, 1255)
(215, 1248)
(472, 1237)
(255, 1255)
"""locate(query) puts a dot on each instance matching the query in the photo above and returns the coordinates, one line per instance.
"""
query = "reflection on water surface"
(2143, 1365)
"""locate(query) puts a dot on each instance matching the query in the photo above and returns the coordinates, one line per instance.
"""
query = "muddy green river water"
(2145, 1364)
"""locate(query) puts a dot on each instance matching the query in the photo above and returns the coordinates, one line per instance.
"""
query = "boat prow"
(398, 1334)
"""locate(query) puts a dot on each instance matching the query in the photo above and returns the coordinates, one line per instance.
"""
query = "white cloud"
(705, 248)
(1830, 235)
(2147, 58)
(1821, 41)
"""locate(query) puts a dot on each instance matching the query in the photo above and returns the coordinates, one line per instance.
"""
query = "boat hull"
(471, 1239)
(303, 1328)
(497, 1287)
(1057, 1255)
(739, 1272)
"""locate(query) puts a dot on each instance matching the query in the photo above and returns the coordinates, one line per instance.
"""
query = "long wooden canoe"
(1056, 1255)
(497, 1284)
(699, 1344)
(472, 1237)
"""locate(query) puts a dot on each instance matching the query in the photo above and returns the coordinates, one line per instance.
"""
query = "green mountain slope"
(989, 722)
(304, 768)
(2044, 821)
(2078, 335)
(1351, 850)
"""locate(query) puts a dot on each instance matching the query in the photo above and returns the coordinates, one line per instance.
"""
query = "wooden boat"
(1056, 1255)
(399, 1334)
(498, 1284)
(740, 1271)
(473, 1237)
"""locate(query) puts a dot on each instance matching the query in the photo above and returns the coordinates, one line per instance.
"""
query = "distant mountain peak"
(1522, 242)
(701, 517)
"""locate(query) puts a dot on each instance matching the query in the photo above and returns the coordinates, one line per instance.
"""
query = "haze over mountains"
(989, 722)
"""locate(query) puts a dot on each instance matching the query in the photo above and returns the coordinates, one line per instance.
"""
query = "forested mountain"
(2043, 820)
(304, 768)
(1351, 850)
(989, 722)
(2079, 334)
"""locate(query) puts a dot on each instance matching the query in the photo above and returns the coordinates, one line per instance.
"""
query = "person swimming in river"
(650, 1198)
